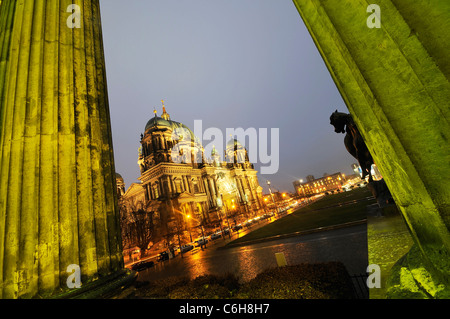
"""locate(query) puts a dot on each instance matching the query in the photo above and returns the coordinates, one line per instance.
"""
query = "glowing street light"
(271, 195)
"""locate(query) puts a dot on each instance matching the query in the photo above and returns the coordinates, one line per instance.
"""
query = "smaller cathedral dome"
(234, 144)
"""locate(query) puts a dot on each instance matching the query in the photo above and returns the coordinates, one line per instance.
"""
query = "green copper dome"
(157, 121)
(165, 121)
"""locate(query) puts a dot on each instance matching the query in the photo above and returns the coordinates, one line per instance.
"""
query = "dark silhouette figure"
(354, 143)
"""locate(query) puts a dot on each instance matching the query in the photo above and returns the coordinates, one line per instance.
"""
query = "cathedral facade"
(184, 187)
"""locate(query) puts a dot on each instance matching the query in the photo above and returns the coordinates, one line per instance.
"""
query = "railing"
(360, 286)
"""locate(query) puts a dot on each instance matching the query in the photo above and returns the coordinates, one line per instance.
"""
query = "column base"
(410, 279)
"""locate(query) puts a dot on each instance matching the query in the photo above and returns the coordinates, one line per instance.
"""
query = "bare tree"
(126, 221)
(138, 224)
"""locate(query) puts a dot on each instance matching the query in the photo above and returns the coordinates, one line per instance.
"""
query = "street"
(348, 245)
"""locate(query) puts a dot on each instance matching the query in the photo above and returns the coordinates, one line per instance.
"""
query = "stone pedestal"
(390, 64)
(58, 204)
(381, 193)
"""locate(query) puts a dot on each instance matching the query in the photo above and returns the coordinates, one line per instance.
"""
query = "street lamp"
(219, 216)
(271, 195)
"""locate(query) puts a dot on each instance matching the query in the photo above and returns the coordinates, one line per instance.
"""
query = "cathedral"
(187, 186)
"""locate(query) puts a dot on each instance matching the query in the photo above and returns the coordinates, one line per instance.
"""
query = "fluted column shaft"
(58, 204)
(394, 79)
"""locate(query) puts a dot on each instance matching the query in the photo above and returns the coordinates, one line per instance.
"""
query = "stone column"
(208, 195)
(190, 184)
(171, 185)
(394, 79)
(212, 190)
(216, 187)
(186, 184)
(240, 189)
(150, 191)
(58, 204)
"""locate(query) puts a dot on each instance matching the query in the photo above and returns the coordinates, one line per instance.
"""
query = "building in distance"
(314, 186)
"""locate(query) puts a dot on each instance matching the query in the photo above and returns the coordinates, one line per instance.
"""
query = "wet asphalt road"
(348, 245)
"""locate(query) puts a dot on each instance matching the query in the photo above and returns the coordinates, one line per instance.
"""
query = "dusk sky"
(231, 64)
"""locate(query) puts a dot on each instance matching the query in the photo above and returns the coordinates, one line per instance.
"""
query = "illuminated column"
(58, 204)
(240, 189)
(254, 198)
(250, 188)
(212, 190)
(186, 184)
(390, 64)
(190, 184)
(206, 189)
(216, 187)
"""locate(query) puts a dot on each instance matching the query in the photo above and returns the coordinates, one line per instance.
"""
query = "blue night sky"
(231, 64)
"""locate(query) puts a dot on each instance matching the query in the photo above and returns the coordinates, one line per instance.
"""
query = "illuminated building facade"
(320, 185)
(185, 186)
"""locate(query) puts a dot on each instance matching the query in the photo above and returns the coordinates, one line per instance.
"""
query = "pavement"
(223, 243)
(218, 243)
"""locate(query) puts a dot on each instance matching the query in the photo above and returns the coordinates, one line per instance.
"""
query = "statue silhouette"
(354, 143)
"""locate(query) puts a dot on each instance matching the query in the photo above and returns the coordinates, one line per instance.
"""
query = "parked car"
(236, 227)
(163, 256)
(248, 223)
(186, 248)
(142, 265)
(226, 231)
(215, 236)
(200, 242)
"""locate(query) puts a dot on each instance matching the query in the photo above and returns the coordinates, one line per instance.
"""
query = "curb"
(299, 233)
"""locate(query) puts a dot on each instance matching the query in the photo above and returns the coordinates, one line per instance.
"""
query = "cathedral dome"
(174, 125)
(157, 121)
(165, 121)
(234, 144)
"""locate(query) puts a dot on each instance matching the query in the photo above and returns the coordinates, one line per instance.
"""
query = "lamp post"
(203, 235)
(220, 223)
(189, 227)
(271, 195)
